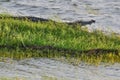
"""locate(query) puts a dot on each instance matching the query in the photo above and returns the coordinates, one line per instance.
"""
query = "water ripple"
(106, 13)
(34, 69)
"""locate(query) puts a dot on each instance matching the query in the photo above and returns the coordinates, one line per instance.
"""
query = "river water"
(48, 69)
(105, 12)
(107, 16)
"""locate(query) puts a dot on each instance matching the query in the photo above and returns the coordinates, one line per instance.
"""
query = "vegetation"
(41, 78)
(18, 78)
(15, 78)
(23, 39)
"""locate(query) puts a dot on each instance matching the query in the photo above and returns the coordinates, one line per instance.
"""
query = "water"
(105, 12)
(37, 69)
(107, 16)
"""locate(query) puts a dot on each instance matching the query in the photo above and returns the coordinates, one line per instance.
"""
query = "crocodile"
(36, 19)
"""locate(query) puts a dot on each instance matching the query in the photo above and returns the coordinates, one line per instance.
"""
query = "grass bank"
(23, 38)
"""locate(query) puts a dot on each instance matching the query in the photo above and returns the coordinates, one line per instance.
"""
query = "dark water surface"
(105, 12)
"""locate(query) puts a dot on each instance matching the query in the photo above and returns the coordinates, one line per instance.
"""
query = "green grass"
(18, 33)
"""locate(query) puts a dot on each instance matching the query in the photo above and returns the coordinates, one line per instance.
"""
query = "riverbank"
(25, 39)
